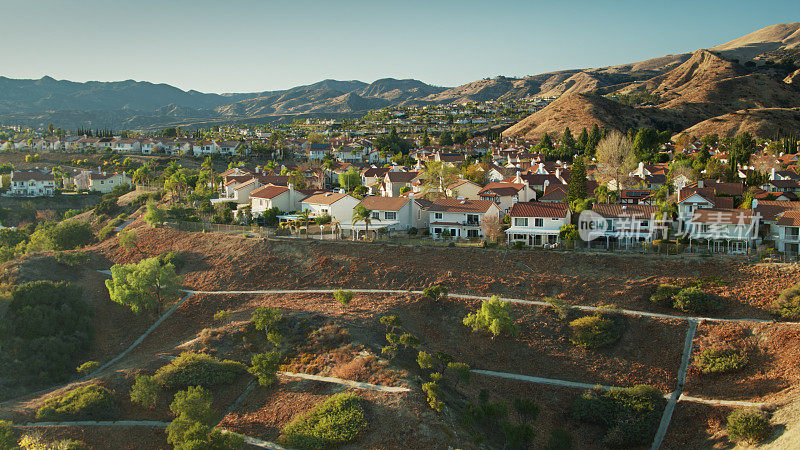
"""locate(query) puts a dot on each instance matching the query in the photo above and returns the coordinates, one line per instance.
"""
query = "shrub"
(154, 215)
(425, 360)
(461, 369)
(88, 367)
(193, 426)
(526, 408)
(106, 232)
(67, 235)
(629, 416)
(343, 297)
(7, 440)
(787, 307)
(409, 340)
(435, 292)
(721, 360)
(106, 207)
(559, 440)
(264, 366)
(748, 425)
(517, 436)
(561, 308)
(694, 300)
(222, 316)
(145, 391)
(90, 402)
(265, 319)
(143, 286)
(335, 421)
(432, 392)
(198, 369)
(128, 239)
(595, 331)
(391, 321)
(71, 259)
(36, 441)
(664, 294)
(494, 316)
(323, 219)
(173, 257)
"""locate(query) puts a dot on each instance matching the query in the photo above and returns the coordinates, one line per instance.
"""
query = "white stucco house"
(338, 205)
(285, 198)
(105, 182)
(32, 183)
(537, 223)
(460, 218)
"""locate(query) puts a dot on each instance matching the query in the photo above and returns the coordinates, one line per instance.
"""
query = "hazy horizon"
(252, 46)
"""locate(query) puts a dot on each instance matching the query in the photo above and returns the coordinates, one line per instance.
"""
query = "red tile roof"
(610, 210)
(384, 203)
(789, 219)
(723, 216)
(455, 205)
(269, 191)
(539, 209)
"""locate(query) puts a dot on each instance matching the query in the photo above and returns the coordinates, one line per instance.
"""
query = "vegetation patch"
(335, 421)
(687, 299)
(198, 369)
(787, 307)
(596, 331)
(193, 427)
(92, 402)
(493, 316)
(46, 326)
(143, 286)
(629, 416)
(721, 360)
(748, 425)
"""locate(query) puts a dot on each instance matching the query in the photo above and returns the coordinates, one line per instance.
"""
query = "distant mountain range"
(732, 87)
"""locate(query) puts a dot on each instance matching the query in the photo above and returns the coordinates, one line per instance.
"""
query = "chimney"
(411, 195)
(755, 203)
(541, 166)
(558, 173)
(701, 184)
(258, 169)
(545, 184)
(772, 174)
(518, 177)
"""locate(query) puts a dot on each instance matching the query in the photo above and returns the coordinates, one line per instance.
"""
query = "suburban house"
(505, 195)
(724, 230)
(335, 204)
(239, 192)
(285, 198)
(460, 218)
(463, 188)
(691, 199)
(787, 239)
(769, 211)
(126, 146)
(392, 213)
(104, 182)
(32, 183)
(394, 181)
(537, 223)
(626, 225)
(316, 152)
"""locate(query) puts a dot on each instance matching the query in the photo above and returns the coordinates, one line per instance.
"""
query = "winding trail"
(92, 423)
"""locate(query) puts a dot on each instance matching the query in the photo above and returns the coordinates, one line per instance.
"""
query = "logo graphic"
(591, 225)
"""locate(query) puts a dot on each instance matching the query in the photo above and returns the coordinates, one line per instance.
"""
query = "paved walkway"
(92, 423)
(343, 382)
(673, 400)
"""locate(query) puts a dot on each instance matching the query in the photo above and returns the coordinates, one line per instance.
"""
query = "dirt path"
(539, 380)
(343, 382)
(673, 400)
(91, 423)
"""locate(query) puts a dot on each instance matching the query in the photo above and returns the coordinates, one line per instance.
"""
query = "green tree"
(645, 144)
(362, 214)
(577, 181)
(145, 391)
(436, 177)
(493, 316)
(193, 427)
(426, 140)
(350, 179)
(154, 215)
(594, 139)
(445, 139)
(567, 142)
(264, 366)
(583, 140)
(615, 158)
(143, 286)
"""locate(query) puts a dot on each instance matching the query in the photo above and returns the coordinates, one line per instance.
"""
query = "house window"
(705, 228)
(519, 237)
(437, 231)
(376, 215)
(538, 222)
(792, 233)
(472, 233)
(390, 215)
(520, 222)
(472, 219)
(437, 216)
(645, 223)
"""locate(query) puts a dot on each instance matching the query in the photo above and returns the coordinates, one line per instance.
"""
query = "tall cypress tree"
(583, 140)
(577, 181)
(594, 139)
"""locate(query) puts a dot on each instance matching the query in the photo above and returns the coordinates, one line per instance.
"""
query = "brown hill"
(783, 36)
(758, 122)
(577, 111)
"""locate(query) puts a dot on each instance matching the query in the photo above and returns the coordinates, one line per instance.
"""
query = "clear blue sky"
(256, 45)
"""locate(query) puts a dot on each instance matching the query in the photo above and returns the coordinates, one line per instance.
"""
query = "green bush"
(526, 408)
(721, 360)
(432, 391)
(561, 308)
(193, 427)
(425, 360)
(265, 318)
(517, 436)
(67, 235)
(88, 367)
(173, 257)
(92, 402)
(335, 421)
(596, 331)
(106, 207)
(145, 391)
(409, 340)
(222, 316)
(694, 300)
(343, 297)
(748, 425)
(391, 321)
(38, 442)
(7, 440)
(494, 316)
(461, 369)
(143, 286)
(46, 326)
(198, 369)
(787, 307)
(664, 294)
(264, 366)
(71, 259)
(629, 416)
(106, 232)
(435, 292)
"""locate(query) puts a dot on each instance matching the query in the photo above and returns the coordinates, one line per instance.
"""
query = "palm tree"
(362, 214)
